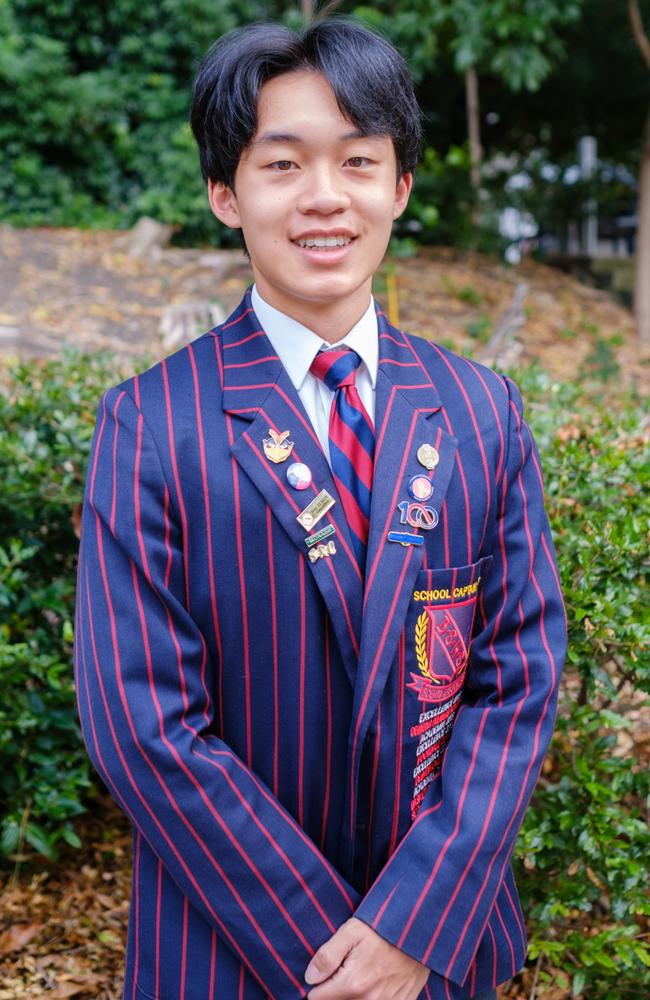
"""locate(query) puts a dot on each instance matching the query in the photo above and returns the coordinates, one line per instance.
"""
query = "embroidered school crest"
(442, 636)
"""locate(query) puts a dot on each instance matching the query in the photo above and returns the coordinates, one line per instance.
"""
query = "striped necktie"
(351, 441)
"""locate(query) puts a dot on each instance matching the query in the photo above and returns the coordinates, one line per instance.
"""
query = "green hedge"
(94, 102)
(582, 854)
(47, 414)
(94, 105)
(582, 850)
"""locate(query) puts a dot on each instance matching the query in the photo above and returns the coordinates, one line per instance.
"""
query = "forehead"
(301, 107)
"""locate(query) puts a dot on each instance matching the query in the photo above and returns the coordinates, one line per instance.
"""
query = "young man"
(319, 629)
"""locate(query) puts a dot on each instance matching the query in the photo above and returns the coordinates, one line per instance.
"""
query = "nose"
(323, 190)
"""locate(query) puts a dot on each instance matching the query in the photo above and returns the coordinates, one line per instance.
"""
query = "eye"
(281, 165)
(355, 161)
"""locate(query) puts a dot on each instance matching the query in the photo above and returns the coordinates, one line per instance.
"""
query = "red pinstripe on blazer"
(292, 748)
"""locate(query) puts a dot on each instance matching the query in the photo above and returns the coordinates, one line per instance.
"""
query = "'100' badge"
(418, 515)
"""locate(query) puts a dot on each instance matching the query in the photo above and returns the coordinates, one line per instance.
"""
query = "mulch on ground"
(64, 925)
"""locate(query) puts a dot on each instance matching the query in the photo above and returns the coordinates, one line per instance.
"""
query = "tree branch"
(329, 8)
(638, 30)
(538, 965)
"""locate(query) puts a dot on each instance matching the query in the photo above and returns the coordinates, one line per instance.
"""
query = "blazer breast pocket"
(439, 628)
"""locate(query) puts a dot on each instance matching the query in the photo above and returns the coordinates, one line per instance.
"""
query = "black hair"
(370, 80)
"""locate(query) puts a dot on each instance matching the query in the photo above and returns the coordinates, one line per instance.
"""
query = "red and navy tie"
(351, 441)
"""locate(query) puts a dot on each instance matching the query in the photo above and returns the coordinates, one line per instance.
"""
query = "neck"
(330, 321)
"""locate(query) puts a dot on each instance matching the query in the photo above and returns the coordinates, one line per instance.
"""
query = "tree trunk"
(473, 126)
(642, 263)
(307, 11)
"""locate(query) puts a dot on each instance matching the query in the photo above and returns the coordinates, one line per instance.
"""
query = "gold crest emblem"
(421, 646)
(276, 447)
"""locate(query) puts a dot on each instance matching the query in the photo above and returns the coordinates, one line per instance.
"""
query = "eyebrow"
(266, 138)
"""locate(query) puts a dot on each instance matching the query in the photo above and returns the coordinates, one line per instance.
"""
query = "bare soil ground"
(68, 286)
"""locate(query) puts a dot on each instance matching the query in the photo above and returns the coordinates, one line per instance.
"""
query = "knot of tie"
(336, 368)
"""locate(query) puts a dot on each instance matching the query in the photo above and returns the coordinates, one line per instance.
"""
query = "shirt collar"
(297, 346)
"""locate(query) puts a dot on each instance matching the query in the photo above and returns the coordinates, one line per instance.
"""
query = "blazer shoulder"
(174, 376)
(462, 381)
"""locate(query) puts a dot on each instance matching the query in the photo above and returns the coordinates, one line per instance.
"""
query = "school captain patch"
(442, 637)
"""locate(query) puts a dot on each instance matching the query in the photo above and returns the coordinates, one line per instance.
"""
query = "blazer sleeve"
(142, 679)
(435, 894)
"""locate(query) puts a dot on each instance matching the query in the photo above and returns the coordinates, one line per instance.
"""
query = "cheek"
(379, 207)
(266, 215)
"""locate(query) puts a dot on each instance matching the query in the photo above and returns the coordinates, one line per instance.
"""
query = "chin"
(332, 286)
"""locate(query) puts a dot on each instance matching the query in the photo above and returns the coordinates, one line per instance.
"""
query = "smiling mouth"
(324, 242)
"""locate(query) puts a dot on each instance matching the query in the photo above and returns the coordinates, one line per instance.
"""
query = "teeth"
(325, 241)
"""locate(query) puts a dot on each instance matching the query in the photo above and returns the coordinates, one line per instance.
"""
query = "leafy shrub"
(582, 850)
(582, 853)
(94, 101)
(45, 771)
(47, 414)
(442, 201)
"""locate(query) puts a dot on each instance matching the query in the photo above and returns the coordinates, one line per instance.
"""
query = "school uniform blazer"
(291, 748)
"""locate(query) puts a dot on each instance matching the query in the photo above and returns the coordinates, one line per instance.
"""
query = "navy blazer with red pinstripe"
(290, 748)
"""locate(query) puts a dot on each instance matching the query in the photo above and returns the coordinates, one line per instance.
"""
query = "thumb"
(329, 956)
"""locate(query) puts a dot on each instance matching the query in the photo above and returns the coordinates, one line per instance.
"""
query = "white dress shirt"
(297, 346)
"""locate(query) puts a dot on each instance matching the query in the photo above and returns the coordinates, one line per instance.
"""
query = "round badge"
(299, 476)
(428, 456)
(420, 487)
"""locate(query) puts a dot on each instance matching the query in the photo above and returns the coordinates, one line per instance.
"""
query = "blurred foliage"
(584, 845)
(517, 41)
(47, 414)
(440, 207)
(94, 101)
(582, 853)
(578, 97)
(547, 194)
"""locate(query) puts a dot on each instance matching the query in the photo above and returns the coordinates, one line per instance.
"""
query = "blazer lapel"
(408, 413)
(258, 394)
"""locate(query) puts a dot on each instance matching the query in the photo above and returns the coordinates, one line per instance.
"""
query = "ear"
(224, 204)
(404, 185)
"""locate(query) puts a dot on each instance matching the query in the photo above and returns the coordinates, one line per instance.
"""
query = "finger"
(337, 987)
(329, 956)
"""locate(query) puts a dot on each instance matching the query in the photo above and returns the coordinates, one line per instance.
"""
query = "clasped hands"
(357, 962)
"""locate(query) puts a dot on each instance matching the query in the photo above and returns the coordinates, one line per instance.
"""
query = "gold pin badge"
(428, 456)
(322, 551)
(315, 510)
(276, 447)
